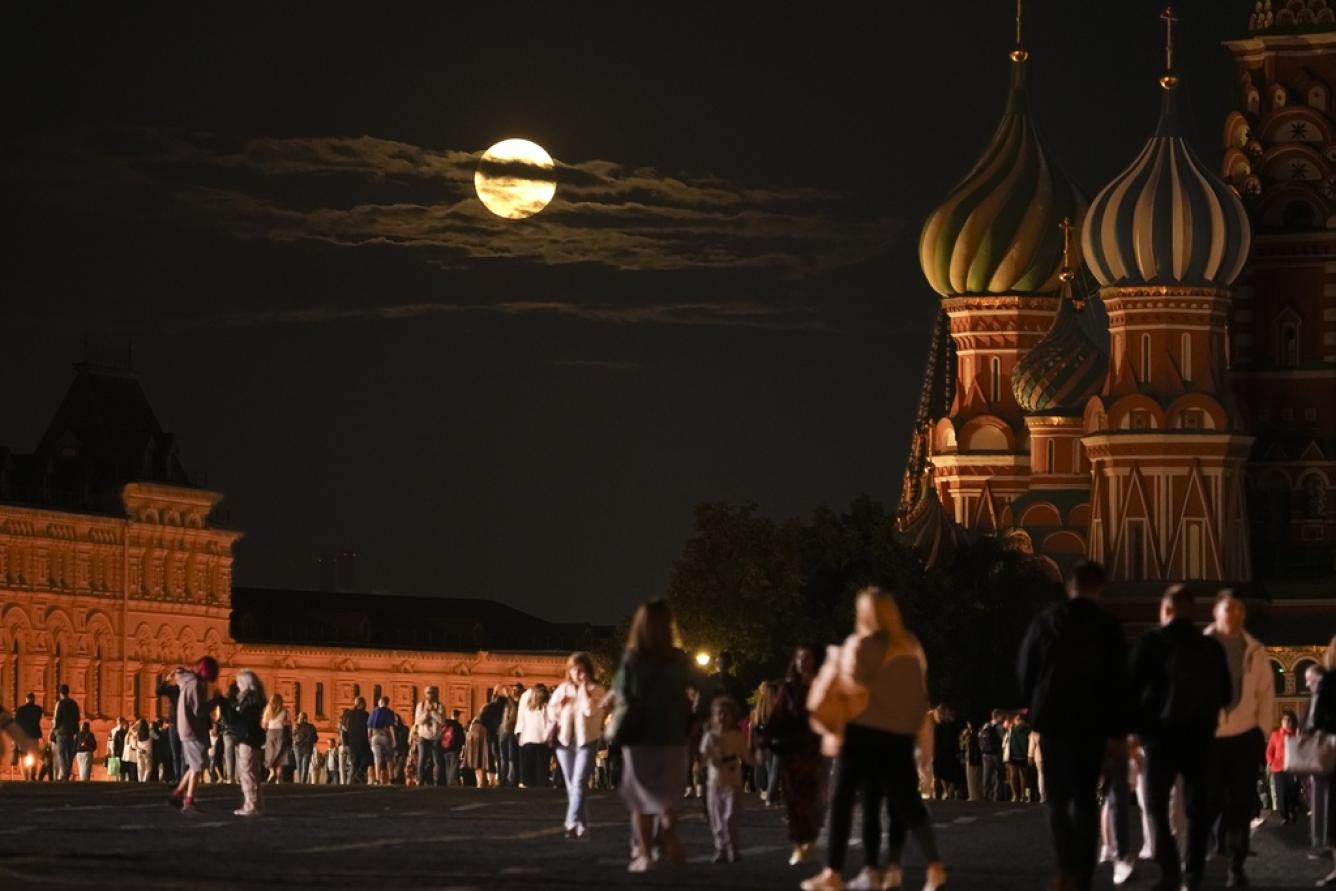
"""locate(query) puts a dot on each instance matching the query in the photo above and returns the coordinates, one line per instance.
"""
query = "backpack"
(448, 736)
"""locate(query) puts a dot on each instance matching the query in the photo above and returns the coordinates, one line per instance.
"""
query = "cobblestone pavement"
(106, 835)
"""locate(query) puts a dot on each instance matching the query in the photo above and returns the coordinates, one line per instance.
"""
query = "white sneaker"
(640, 864)
(826, 880)
(867, 880)
(1122, 870)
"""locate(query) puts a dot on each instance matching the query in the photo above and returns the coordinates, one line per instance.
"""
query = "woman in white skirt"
(650, 724)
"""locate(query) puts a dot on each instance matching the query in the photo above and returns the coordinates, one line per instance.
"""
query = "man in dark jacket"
(452, 741)
(168, 688)
(303, 746)
(352, 726)
(64, 727)
(1073, 672)
(29, 718)
(990, 748)
(1180, 682)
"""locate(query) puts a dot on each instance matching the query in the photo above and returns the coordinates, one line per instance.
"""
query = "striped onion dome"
(997, 232)
(1167, 219)
(1064, 369)
(927, 528)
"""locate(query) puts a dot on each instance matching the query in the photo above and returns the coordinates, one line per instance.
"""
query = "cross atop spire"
(1066, 226)
(1169, 79)
(1018, 53)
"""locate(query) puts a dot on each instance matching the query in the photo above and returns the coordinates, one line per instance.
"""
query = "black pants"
(1071, 777)
(534, 758)
(876, 765)
(1234, 765)
(1287, 794)
(1166, 759)
(992, 778)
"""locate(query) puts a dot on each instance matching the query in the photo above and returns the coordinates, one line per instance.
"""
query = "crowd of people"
(1181, 722)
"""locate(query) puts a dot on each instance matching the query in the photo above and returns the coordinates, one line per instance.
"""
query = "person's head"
(724, 714)
(142, 728)
(301, 717)
(1228, 613)
(359, 702)
(30, 698)
(802, 667)
(384, 702)
(997, 716)
(64, 691)
(1176, 604)
(1289, 720)
(725, 662)
(433, 693)
(579, 668)
(1086, 580)
(456, 714)
(207, 669)
(516, 692)
(652, 631)
(248, 682)
(1311, 677)
(1329, 658)
(876, 612)
(275, 702)
(85, 727)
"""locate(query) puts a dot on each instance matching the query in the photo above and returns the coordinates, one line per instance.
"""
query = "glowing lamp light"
(29, 761)
(702, 659)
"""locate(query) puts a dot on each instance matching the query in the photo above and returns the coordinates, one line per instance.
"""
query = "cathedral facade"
(1147, 378)
(112, 574)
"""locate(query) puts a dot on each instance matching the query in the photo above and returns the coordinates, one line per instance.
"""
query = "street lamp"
(702, 659)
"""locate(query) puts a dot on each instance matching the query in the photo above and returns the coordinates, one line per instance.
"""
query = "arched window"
(1187, 357)
(296, 696)
(1050, 457)
(320, 700)
(1278, 677)
(1145, 358)
(375, 694)
(995, 379)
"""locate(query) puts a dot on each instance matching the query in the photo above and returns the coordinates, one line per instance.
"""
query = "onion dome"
(1167, 219)
(996, 233)
(1066, 367)
(926, 528)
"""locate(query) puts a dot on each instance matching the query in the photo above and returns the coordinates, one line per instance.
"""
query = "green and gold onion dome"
(1064, 369)
(997, 232)
(1166, 219)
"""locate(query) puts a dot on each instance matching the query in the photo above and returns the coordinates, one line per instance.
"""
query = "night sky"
(275, 204)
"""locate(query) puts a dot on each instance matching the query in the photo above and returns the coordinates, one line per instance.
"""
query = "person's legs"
(1318, 790)
(1120, 802)
(871, 795)
(1192, 763)
(566, 758)
(1160, 771)
(774, 790)
(715, 813)
(849, 773)
(451, 760)
(1238, 760)
(85, 760)
(988, 775)
(899, 777)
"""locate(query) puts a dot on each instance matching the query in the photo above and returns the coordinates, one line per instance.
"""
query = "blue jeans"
(303, 767)
(576, 763)
(429, 762)
(64, 757)
(508, 760)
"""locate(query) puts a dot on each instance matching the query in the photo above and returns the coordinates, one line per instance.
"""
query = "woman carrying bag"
(872, 705)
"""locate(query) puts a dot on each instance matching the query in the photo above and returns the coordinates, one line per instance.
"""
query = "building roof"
(385, 621)
(104, 435)
(1064, 369)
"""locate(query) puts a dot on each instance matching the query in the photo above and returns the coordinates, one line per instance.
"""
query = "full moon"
(510, 179)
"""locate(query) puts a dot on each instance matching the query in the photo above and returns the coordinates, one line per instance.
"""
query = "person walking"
(168, 689)
(333, 763)
(531, 729)
(1073, 671)
(85, 746)
(477, 757)
(724, 751)
(1318, 786)
(1284, 786)
(356, 742)
(1180, 683)
(277, 741)
(649, 725)
(303, 746)
(229, 765)
(243, 714)
(948, 773)
(990, 752)
(491, 715)
(1240, 738)
(1322, 717)
(883, 673)
(1016, 755)
(194, 702)
(380, 728)
(576, 709)
(797, 754)
(429, 721)
(507, 745)
(142, 746)
(29, 719)
(64, 728)
(973, 759)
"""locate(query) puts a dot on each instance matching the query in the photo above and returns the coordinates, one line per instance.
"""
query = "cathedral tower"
(1165, 240)
(992, 251)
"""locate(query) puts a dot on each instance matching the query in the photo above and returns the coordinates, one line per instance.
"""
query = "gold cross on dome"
(1066, 227)
(1169, 19)
(1018, 53)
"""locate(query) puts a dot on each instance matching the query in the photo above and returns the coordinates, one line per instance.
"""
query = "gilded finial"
(1169, 79)
(1018, 53)
(1066, 274)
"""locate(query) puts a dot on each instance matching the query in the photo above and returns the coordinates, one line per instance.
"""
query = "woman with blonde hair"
(883, 673)
(576, 708)
(766, 771)
(649, 723)
(1322, 716)
(277, 737)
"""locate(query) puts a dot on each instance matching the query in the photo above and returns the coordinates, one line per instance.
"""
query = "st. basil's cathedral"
(1147, 378)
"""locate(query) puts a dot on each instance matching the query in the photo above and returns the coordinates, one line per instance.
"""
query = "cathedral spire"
(1169, 79)
(1018, 52)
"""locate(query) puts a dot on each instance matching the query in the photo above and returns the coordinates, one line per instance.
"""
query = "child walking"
(192, 721)
(724, 751)
(242, 712)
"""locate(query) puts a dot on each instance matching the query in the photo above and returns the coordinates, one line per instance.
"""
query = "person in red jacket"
(1284, 786)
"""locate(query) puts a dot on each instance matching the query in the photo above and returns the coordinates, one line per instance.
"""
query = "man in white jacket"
(1240, 738)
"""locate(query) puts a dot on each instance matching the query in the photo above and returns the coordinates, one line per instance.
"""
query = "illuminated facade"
(111, 575)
